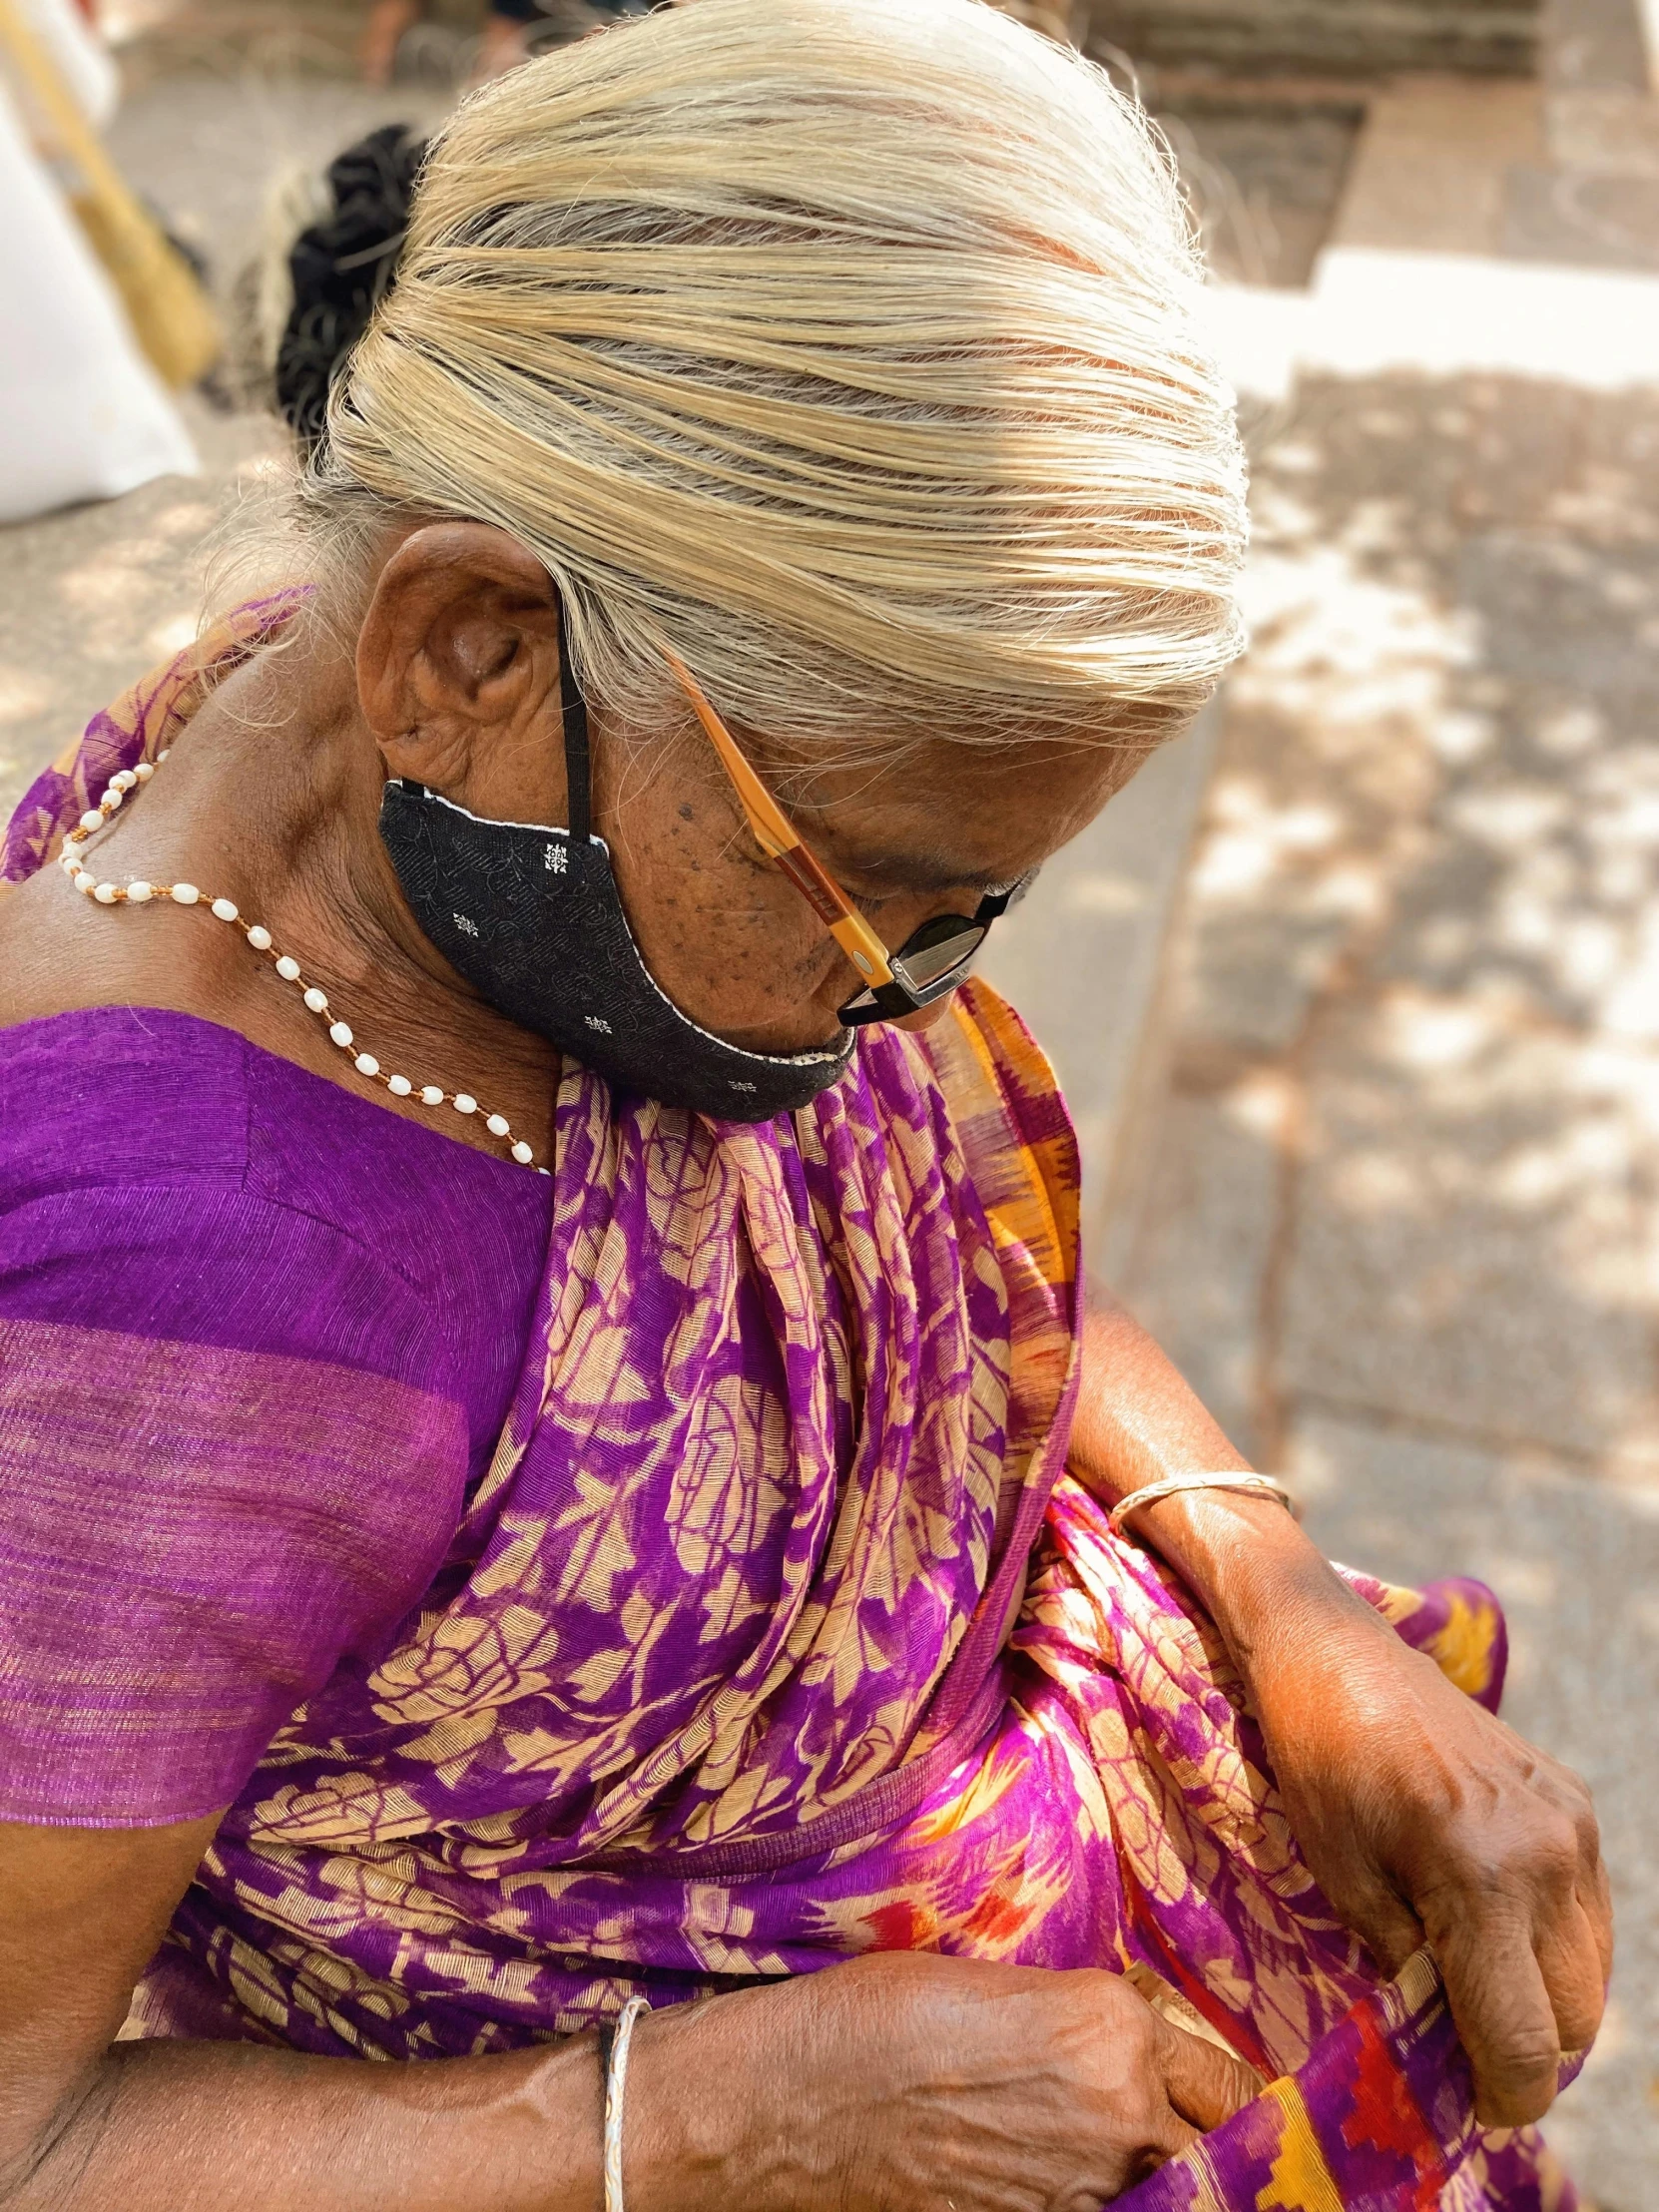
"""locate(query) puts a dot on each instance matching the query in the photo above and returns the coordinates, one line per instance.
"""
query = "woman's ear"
(458, 671)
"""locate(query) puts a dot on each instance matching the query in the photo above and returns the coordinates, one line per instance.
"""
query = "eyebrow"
(913, 871)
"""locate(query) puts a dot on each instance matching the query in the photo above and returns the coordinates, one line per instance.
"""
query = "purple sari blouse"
(318, 1313)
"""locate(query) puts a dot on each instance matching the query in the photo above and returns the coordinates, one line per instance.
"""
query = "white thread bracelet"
(1173, 1485)
(616, 2077)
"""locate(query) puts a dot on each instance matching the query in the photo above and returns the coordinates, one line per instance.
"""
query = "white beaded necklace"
(138, 893)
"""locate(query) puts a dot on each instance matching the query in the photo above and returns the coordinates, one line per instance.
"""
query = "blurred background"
(1355, 991)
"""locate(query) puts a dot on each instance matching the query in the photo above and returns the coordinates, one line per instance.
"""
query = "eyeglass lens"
(940, 947)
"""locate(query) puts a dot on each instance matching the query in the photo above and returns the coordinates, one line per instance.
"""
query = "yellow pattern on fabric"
(1301, 2180)
(1464, 1647)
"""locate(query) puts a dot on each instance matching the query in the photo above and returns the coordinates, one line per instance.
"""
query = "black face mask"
(533, 919)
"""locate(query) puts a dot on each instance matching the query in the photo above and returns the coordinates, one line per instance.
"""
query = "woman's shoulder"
(114, 1099)
(152, 1230)
(164, 1181)
(118, 1094)
(235, 1425)
(143, 1176)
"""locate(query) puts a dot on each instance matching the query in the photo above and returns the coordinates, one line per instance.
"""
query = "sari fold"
(773, 1630)
(1380, 2116)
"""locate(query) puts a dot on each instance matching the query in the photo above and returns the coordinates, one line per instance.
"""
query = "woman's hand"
(895, 2083)
(1420, 1817)
(908, 2082)
(1423, 1818)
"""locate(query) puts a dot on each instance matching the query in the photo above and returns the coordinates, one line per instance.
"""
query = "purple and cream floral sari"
(655, 1579)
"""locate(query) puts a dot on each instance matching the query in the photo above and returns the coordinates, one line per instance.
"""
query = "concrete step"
(1360, 37)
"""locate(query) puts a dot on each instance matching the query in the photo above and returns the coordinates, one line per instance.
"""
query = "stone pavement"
(1396, 1213)
(1392, 1200)
(1370, 1090)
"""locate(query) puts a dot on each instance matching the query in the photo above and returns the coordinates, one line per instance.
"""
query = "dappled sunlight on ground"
(1400, 1222)
(92, 597)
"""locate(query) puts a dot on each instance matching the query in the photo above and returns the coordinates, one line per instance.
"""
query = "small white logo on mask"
(737, 1086)
(556, 858)
(466, 923)
(593, 1021)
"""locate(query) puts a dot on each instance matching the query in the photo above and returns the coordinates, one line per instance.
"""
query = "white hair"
(851, 348)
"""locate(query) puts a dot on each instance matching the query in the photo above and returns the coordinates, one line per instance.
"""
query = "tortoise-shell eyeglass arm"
(780, 841)
(891, 986)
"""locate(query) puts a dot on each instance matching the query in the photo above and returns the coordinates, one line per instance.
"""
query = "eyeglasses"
(930, 962)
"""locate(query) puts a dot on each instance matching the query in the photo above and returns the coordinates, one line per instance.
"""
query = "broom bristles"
(171, 317)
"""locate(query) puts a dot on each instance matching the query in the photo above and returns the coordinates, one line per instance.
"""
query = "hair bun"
(341, 267)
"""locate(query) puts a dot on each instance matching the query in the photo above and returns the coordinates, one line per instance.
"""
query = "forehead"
(956, 815)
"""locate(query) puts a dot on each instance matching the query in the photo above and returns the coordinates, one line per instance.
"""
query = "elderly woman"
(553, 1462)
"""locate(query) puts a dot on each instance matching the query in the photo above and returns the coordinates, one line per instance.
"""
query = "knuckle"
(1145, 2106)
(1571, 1796)
(1552, 1860)
(1131, 2020)
(1138, 2043)
(1528, 2052)
(1567, 1779)
(1543, 1853)
(1587, 1834)
(1142, 2060)
(1474, 1869)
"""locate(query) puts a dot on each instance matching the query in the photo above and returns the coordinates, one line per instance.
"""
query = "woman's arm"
(187, 2126)
(896, 2081)
(1420, 1816)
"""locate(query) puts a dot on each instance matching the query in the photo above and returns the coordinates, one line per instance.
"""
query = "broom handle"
(80, 141)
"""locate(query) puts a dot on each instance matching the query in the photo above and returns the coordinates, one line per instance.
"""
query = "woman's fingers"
(1595, 1897)
(1388, 1926)
(1553, 1885)
(1578, 1920)
(1505, 2013)
(1592, 1891)
(1203, 2084)
(1570, 1960)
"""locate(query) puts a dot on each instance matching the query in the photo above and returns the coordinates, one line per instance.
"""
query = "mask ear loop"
(573, 710)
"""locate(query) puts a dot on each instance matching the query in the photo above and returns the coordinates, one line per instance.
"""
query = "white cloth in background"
(81, 413)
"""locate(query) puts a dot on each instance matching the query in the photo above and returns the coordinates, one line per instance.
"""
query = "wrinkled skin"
(892, 2084)
(1419, 1814)
(1060, 2091)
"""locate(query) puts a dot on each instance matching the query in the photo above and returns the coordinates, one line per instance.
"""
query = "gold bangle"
(1172, 1487)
